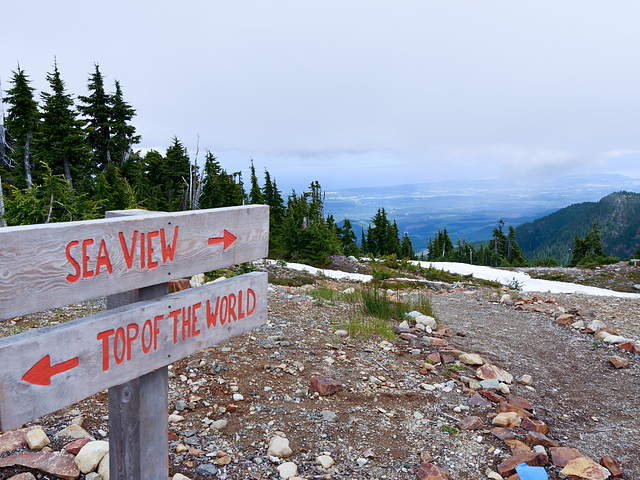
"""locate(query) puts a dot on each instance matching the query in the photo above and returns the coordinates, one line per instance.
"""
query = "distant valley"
(469, 209)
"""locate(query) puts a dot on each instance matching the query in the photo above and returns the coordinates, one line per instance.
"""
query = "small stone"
(585, 468)
(74, 431)
(504, 388)
(225, 460)
(535, 438)
(325, 461)
(207, 469)
(90, 455)
(532, 425)
(429, 471)
(610, 464)
(279, 447)
(503, 434)
(325, 386)
(181, 448)
(75, 446)
(471, 359)
(362, 462)
(490, 384)
(517, 447)
(174, 418)
(219, 424)
(526, 380)
(471, 423)
(491, 475)
(507, 420)
(521, 403)
(59, 464)
(478, 401)
(561, 456)
(179, 476)
(24, 476)
(36, 439)
(618, 362)
(237, 397)
(341, 333)
(329, 416)
(287, 470)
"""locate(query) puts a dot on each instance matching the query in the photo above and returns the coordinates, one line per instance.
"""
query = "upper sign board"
(47, 266)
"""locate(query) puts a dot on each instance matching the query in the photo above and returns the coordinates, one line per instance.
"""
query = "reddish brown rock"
(507, 407)
(449, 350)
(23, 476)
(522, 403)
(628, 346)
(178, 285)
(478, 401)
(74, 447)
(565, 319)
(438, 342)
(325, 386)
(448, 359)
(11, 440)
(618, 362)
(429, 471)
(508, 467)
(434, 357)
(489, 372)
(535, 438)
(561, 456)
(533, 425)
(515, 476)
(585, 468)
(471, 423)
(503, 434)
(517, 447)
(610, 464)
(60, 464)
(494, 397)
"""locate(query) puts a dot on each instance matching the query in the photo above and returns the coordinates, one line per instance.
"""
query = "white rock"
(237, 397)
(413, 314)
(197, 280)
(341, 333)
(362, 462)
(74, 431)
(179, 476)
(494, 476)
(36, 439)
(505, 298)
(91, 454)
(471, 359)
(279, 447)
(421, 327)
(287, 470)
(404, 324)
(325, 461)
(504, 388)
(596, 325)
(174, 418)
(349, 290)
(219, 424)
(614, 339)
(426, 320)
(539, 449)
(525, 379)
(103, 468)
(577, 325)
(93, 476)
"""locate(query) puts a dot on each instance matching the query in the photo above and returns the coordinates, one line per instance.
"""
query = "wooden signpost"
(128, 257)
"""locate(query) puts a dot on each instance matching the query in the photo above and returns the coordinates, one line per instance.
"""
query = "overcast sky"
(357, 92)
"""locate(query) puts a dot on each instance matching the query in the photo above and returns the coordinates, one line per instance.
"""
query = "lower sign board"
(44, 370)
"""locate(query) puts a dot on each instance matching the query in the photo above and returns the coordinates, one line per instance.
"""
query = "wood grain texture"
(125, 359)
(47, 266)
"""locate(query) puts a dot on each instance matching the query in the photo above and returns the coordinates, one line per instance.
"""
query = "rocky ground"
(410, 406)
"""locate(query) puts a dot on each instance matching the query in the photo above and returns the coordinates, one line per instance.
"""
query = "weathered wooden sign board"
(128, 257)
(47, 266)
(50, 368)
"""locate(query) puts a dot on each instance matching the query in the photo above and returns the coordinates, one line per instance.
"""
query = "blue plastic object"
(525, 472)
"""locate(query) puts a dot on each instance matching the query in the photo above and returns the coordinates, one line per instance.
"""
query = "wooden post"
(138, 409)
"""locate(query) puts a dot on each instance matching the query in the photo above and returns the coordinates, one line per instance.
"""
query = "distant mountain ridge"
(617, 216)
(469, 209)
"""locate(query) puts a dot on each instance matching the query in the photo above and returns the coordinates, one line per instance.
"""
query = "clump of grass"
(364, 327)
(447, 429)
(376, 304)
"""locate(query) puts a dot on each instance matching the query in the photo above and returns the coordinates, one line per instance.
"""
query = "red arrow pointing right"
(227, 239)
(42, 371)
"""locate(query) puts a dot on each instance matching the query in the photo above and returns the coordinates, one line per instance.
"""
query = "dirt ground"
(391, 414)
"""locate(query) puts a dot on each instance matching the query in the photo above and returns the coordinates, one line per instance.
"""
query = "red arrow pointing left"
(42, 371)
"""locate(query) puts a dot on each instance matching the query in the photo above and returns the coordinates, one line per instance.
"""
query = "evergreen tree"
(22, 123)
(515, 257)
(348, 239)
(175, 173)
(588, 249)
(255, 194)
(60, 143)
(406, 249)
(123, 135)
(97, 114)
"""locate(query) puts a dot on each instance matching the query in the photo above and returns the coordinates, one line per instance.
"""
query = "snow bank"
(525, 282)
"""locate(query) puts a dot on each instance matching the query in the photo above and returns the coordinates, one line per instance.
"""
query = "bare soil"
(384, 414)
